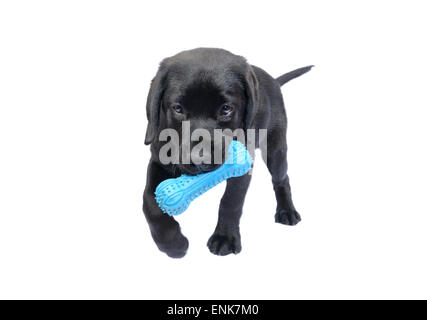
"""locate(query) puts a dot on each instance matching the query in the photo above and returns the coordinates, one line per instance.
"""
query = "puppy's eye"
(226, 110)
(177, 108)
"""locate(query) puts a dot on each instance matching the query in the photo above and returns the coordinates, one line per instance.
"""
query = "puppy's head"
(203, 89)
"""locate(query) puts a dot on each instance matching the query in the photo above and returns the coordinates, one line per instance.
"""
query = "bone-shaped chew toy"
(175, 195)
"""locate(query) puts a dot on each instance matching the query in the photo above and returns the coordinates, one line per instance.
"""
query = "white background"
(74, 76)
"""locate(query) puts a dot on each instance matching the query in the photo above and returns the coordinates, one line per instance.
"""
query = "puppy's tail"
(292, 75)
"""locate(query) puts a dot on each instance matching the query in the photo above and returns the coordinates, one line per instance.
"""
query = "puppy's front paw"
(288, 217)
(224, 244)
(174, 244)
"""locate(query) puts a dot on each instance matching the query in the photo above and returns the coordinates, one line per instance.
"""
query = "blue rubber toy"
(175, 195)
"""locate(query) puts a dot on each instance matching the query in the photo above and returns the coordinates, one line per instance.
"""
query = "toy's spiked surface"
(175, 195)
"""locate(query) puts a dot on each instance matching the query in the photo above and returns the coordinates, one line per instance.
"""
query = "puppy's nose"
(203, 154)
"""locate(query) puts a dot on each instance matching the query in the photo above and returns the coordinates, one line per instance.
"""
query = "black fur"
(202, 81)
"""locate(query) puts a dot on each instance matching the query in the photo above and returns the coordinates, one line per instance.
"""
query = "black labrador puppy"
(215, 89)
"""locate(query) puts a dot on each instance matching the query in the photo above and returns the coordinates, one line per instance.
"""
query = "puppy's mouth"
(193, 169)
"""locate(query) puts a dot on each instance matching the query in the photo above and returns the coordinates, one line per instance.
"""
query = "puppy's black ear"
(154, 100)
(252, 93)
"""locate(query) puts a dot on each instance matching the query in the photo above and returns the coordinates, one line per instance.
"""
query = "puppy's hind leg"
(278, 166)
